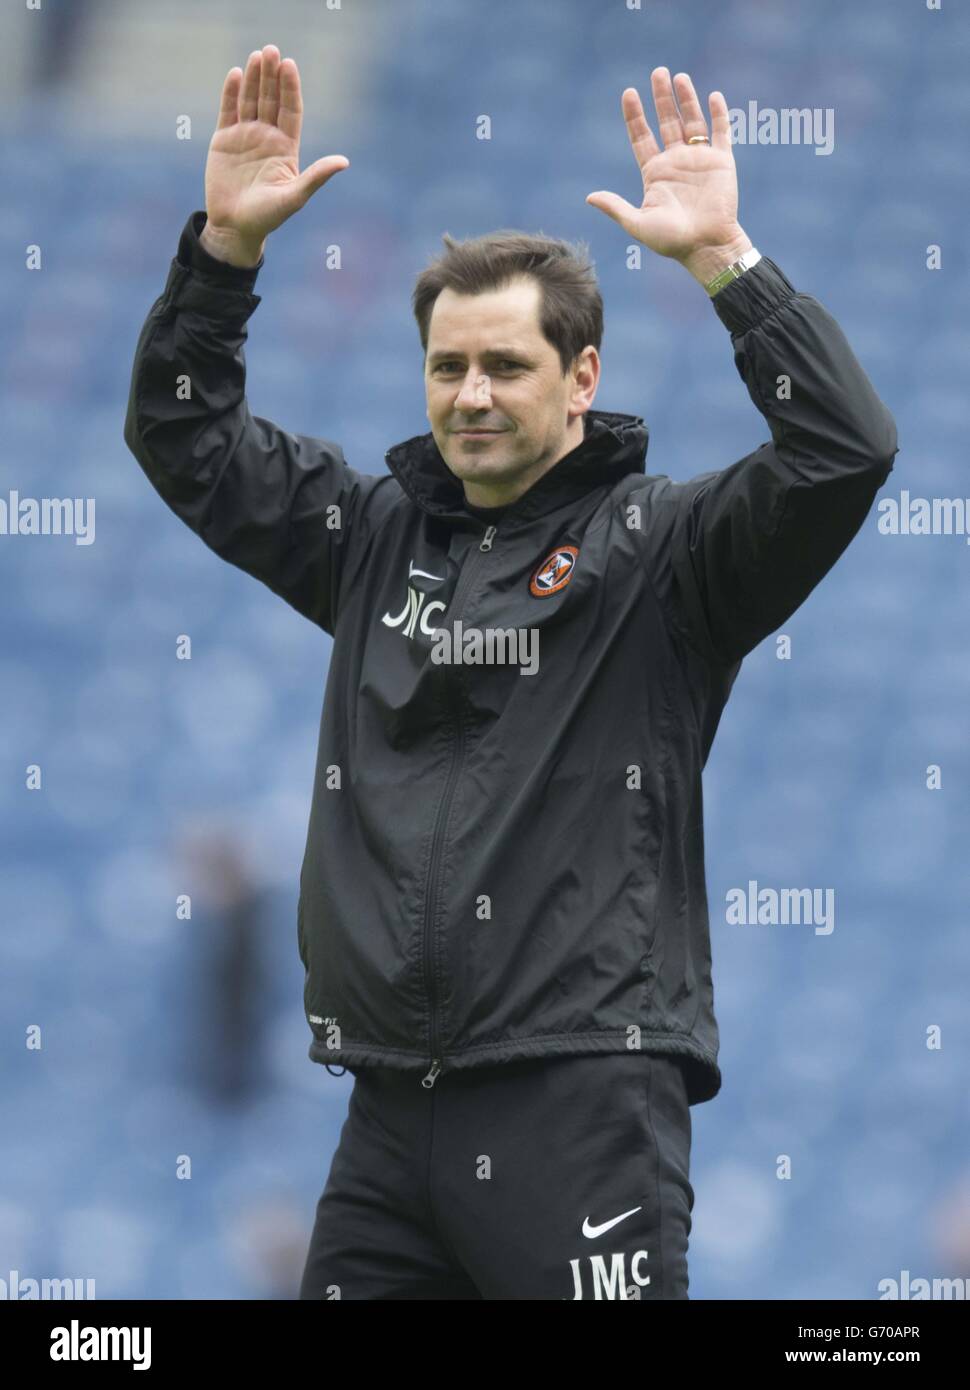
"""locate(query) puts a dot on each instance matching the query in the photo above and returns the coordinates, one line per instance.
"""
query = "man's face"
(489, 368)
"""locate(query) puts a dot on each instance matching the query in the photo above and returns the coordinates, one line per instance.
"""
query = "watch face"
(734, 271)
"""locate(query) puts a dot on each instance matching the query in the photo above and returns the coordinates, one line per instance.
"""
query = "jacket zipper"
(441, 821)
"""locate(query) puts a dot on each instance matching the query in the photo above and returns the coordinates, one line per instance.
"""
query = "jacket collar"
(614, 445)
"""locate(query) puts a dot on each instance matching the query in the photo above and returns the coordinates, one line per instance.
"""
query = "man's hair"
(570, 306)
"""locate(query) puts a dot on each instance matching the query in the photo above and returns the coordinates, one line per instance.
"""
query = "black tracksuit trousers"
(554, 1178)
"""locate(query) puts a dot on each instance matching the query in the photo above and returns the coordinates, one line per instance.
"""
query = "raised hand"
(252, 175)
(690, 191)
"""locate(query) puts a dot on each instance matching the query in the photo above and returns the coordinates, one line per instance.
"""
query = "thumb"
(618, 208)
(313, 178)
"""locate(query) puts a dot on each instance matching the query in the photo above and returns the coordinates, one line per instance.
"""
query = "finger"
(618, 208)
(691, 115)
(641, 136)
(314, 177)
(229, 103)
(249, 98)
(668, 117)
(720, 121)
(269, 85)
(291, 100)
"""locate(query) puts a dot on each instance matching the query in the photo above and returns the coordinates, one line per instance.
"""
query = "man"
(502, 912)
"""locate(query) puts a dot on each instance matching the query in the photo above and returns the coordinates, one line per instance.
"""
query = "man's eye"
(506, 365)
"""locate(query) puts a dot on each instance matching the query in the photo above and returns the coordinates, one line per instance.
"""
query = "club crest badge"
(555, 571)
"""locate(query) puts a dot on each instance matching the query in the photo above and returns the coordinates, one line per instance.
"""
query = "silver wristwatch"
(734, 271)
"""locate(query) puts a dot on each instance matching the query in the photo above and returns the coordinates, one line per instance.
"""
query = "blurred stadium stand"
(818, 773)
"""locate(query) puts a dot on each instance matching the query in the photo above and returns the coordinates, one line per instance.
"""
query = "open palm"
(690, 192)
(252, 176)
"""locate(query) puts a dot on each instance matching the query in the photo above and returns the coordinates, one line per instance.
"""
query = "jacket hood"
(614, 445)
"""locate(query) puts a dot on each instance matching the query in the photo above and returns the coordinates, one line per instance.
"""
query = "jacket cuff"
(743, 303)
(194, 256)
(198, 281)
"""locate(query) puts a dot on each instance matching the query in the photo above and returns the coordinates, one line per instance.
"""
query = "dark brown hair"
(570, 306)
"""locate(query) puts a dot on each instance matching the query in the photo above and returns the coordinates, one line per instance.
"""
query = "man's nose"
(475, 393)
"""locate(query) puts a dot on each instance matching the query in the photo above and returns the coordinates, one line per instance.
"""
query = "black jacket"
(500, 864)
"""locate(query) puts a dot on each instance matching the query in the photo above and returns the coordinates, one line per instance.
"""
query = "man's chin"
(480, 464)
